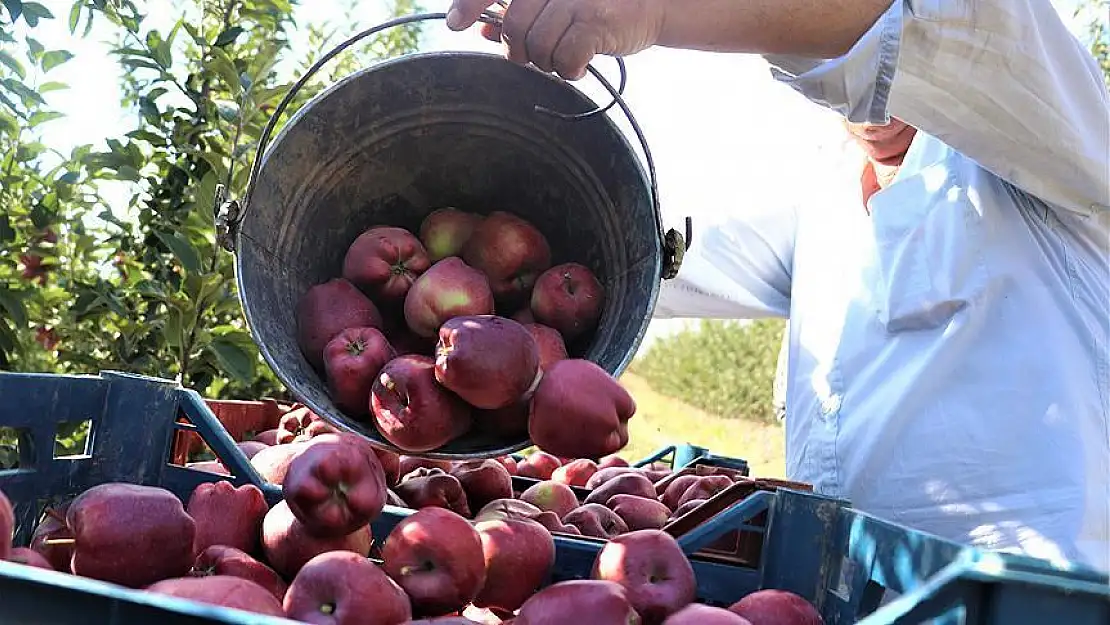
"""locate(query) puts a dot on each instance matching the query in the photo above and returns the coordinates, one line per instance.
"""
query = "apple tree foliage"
(90, 283)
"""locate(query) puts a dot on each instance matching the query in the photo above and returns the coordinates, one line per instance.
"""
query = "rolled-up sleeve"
(738, 269)
(1001, 81)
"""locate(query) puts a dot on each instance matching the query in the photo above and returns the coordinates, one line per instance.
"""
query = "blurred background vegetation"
(85, 286)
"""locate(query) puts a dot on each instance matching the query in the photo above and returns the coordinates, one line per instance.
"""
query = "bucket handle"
(229, 212)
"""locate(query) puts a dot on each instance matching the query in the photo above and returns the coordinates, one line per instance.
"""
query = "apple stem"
(51, 542)
(535, 384)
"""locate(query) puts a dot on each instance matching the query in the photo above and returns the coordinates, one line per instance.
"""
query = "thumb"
(463, 13)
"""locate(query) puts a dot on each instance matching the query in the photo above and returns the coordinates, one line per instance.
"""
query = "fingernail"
(454, 19)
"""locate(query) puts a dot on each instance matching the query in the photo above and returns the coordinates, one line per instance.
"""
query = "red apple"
(511, 252)
(227, 515)
(225, 591)
(445, 232)
(267, 437)
(569, 298)
(223, 560)
(684, 509)
(287, 544)
(576, 472)
(483, 481)
(500, 509)
(352, 361)
(489, 361)
(551, 495)
(675, 489)
(130, 535)
(391, 465)
(425, 488)
(436, 556)
(408, 464)
(701, 614)
(580, 410)
(604, 475)
(652, 568)
(551, 521)
(603, 603)
(612, 460)
(272, 463)
(342, 588)
(704, 488)
(384, 262)
(28, 557)
(326, 310)
(519, 555)
(776, 607)
(639, 513)
(250, 448)
(594, 519)
(412, 411)
(7, 526)
(208, 466)
(508, 462)
(53, 527)
(543, 463)
(451, 288)
(335, 486)
(295, 423)
(625, 484)
(523, 316)
(549, 343)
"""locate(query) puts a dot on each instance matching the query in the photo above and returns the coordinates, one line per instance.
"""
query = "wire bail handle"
(229, 212)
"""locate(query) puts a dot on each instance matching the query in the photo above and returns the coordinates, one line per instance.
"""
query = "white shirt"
(948, 353)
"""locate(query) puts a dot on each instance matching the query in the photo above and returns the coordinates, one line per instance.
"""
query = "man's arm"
(738, 269)
(1001, 81)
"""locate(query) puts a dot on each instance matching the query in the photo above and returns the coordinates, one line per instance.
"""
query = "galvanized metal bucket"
(390, 143)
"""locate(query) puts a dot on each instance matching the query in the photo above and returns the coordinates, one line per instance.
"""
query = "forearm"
(820, 29)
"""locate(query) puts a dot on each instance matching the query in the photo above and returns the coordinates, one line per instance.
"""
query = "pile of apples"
(463, 328)
(312, 557)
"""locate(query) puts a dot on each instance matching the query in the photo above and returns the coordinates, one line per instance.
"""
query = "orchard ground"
(662, 420)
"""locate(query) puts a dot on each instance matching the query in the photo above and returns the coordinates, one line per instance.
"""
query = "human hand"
(563, 36)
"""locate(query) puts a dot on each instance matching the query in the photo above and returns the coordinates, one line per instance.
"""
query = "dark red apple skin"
(483, 481)
(335, 486)
(579, 410)
(511, 252)
(326, 310)
(776, 607)
(424, 488)
(27, 557)
(227, 515)
(342, 588)
(550, 344)
(594, 519)
(701, 614)
(288, 545)
(639, 513)
(445, 231)
(519, 555)
(605, 603)
(412, 411)
(626, 484)
(384, 262)
(653, 570)
(450, 288)
(551, 495)
(436, 556)
(222, 590)
(489, 361)
(352, 361)
(224, 560)
(569, 298)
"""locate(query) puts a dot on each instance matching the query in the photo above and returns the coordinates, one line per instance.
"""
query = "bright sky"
(724, 135)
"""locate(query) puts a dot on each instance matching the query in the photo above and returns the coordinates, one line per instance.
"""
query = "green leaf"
(14, 7)
(13, 64)
(36, 9)
(183, 249)
(23, 91)
(69, 177)
(44, 116)
(10, 302)
(34, 48)
(234, 356)
(228, 36)
(53, 85)
(54, 58)
(133, 62)
(171, 328)
(225, 67)
(75, 16)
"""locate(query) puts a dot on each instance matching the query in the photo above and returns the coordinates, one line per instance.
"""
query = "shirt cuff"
(856, 85)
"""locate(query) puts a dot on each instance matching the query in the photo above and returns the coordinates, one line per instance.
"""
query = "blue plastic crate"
(839, 558)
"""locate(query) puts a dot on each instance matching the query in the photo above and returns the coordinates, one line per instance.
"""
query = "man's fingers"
(546, 32)
(575, 51)
(463, 13)
(491, 32)
(519, 18)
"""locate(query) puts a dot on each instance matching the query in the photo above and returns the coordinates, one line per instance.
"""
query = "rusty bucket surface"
(391, 143)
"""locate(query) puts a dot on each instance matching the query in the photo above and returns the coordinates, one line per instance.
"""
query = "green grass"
(662, 420)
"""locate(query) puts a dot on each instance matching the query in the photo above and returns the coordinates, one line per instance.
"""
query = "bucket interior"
(390, 144)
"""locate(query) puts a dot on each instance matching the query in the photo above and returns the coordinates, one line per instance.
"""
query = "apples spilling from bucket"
(462, 328)
(308, 558)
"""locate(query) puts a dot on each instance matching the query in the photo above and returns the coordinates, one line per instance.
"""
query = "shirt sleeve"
(737, 269)
(1001, 81)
